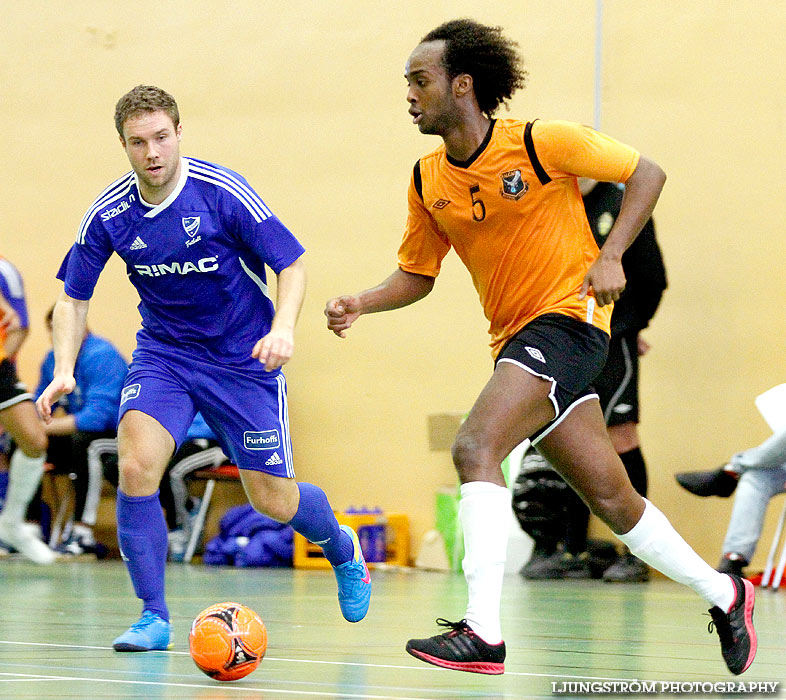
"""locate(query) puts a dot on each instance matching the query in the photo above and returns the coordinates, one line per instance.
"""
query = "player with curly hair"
(504, 193)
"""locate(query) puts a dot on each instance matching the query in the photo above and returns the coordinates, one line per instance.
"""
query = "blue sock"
(317, 523)
(142, 534)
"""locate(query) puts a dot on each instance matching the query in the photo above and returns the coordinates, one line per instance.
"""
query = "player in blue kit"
(195, 238)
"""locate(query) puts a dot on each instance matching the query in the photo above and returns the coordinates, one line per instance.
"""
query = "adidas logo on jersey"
(138, 244)
(275, 459)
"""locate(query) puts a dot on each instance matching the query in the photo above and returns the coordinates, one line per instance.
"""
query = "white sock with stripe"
(484, 513)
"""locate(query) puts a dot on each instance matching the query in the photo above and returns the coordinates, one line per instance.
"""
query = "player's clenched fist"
(341, 313)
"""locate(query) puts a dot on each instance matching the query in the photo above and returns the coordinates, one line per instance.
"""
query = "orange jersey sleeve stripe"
(527, 246)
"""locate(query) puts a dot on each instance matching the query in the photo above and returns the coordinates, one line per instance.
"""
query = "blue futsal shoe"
(151, 633)
(354, 582)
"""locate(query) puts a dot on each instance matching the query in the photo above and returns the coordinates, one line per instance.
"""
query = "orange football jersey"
(527, 245)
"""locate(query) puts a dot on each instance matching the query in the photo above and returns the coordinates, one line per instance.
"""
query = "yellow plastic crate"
(309, 556)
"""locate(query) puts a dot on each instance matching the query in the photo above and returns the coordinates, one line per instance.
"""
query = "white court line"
(423, 667)
(243, 689)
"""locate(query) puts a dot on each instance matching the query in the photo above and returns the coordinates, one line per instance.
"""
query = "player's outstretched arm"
(400, 289)
(69, 323)
(642, 190)
(275, 349)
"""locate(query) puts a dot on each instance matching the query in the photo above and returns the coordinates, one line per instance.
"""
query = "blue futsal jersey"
(197, 260)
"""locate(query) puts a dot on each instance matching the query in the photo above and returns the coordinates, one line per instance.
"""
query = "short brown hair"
(144, 98)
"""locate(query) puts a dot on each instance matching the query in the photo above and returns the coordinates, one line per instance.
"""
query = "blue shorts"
(245, 406)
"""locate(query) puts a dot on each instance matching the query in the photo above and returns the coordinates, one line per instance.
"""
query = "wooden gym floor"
(57, 624)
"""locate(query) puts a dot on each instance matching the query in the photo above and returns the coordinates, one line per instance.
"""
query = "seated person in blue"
(88, 413)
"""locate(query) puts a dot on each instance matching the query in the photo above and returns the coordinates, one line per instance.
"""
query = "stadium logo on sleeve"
(130, 392)
(261, 440)
(117, 210)
(513, 186)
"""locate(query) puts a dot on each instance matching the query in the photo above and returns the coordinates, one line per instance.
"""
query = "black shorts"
(618, 383)
(567, 352)
(12, 391)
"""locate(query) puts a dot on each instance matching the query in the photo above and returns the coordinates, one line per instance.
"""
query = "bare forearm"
(399, 290)
(61, 425)
(69, 323)
(641, 194)
(291, 290)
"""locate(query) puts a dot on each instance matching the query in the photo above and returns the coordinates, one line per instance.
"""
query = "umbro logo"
(535, 353)
(275, 459)
(440, 204)
(138, 244)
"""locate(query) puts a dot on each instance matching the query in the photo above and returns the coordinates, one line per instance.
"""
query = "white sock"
(24, 475)
(484, 513)
(84, 532)
(656, 542)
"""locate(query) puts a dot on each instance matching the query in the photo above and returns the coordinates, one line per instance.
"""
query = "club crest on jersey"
(513, 185)
(191, 225)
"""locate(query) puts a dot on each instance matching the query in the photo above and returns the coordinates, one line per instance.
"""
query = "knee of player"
(275, 497)
(624, 437)
(34, 445)
(277, 510)
(619, 509)
(470, 454)
(136, 477)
